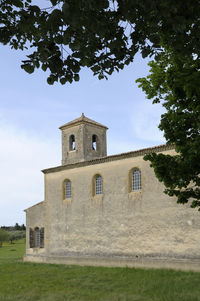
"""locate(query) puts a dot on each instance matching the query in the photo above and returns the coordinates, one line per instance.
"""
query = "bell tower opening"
(94, 142)
(72, 143)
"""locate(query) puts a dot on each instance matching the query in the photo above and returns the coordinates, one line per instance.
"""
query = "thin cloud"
(22, 158)
(145, 119)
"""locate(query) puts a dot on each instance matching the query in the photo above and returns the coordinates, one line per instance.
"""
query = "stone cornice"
(141, 152)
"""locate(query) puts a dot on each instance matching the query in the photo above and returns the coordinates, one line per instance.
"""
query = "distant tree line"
(12, 233)
(13, 228)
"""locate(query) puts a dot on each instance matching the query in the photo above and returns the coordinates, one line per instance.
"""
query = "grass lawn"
(37, 282)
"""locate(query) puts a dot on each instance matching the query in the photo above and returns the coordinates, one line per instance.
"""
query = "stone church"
(109, 210)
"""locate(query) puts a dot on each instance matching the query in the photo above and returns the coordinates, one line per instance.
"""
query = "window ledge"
(67, 201)
(135, 191)
(98, 197)
(135, 195)
(35, 250)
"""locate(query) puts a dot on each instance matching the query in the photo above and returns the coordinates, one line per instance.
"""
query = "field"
(43, 282)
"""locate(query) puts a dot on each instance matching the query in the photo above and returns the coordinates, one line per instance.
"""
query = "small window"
(68, 189)
(94, 142)
(136, 180)
(72, 143)
(98, 185)
(37, 237)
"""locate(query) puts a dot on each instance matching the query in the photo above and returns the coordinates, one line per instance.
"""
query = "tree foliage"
(17, 234)
(105, 35)
(12, 233)
(174, 81)
(3, 236)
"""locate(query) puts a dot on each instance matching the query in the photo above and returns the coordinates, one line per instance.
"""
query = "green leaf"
(76, 77)
(28, 68)
(59, 39)
(63, 80)
(50, 80)
(54, 2)
(44, 67)
(65, 9)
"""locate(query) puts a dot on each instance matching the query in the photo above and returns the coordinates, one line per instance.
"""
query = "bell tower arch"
(83, 139)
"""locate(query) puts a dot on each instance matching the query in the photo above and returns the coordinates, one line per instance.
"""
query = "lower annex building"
(108, 210)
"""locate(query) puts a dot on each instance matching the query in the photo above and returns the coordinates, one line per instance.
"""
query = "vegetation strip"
(30, 281)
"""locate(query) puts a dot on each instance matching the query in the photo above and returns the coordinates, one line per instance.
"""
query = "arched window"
(98, 185)
(72, 143)
(136, 179)
(67, 189)
(94, 142)
(37, 237)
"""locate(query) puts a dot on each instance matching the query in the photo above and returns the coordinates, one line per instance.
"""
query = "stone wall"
(35, 218)
(119, 227)
(119, 222)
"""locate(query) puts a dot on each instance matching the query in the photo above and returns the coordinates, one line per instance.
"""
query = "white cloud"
(21, 159)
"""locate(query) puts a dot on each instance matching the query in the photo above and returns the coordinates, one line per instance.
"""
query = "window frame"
(36, 238)
(130, 180)
(65, 197)
(136, 180)
(97, 191)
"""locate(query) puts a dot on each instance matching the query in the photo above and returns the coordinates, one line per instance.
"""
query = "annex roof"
(136, 153)
(25, 210)
(82, 119)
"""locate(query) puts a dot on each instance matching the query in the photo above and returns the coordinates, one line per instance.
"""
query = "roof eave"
(62, 127)
(136, 153)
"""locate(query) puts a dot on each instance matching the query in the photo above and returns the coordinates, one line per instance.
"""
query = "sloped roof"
(132, 154)
(82, 119)
(25, 210)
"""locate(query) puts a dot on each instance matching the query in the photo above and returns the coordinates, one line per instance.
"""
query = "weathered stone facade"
(118, 226)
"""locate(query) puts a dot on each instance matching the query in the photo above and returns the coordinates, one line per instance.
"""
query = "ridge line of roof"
(83, 119)
(110, 158)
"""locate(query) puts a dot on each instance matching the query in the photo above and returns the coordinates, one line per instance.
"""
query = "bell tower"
(83, 139)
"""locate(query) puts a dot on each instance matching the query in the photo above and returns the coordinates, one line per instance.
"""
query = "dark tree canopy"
(105, 35)
(174, 81)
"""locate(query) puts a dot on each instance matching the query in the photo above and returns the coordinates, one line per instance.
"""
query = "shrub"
(3, 236)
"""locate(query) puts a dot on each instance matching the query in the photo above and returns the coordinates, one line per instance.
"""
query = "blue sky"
(31, 112)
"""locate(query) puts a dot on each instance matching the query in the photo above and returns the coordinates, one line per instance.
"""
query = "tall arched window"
(67, 189)
(136, 179)
(72, 143)
(98, 185)
(94, 142)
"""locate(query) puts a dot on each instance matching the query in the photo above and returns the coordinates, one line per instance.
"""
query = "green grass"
(38, 282)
